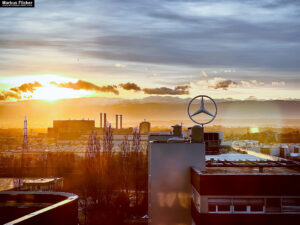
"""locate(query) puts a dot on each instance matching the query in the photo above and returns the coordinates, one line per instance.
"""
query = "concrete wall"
(169, 181)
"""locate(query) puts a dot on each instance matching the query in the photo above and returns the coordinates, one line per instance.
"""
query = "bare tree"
(136, 145)
(124, 159)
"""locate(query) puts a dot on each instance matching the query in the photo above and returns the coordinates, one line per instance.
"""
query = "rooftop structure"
(42, 184)
(244, 187)
(71, 128)
(235, 192)
(145, 127)
(230, 188)
(47, 208)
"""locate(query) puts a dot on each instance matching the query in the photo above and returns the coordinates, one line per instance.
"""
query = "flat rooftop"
(233, 157)
(40, 180)
(249, 170)
(28, 207)
(237, 163)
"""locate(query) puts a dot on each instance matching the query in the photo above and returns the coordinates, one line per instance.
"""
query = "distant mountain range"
(158, 110)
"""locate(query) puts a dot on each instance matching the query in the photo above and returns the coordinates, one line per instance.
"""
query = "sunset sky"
(135, 49)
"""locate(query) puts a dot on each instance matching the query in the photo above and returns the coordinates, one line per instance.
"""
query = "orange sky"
(54, 87)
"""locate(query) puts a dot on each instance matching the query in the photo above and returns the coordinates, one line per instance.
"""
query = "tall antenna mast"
(25, 136)
(19, 181)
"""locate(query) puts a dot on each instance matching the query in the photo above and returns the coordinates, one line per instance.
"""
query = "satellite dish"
(202, 110)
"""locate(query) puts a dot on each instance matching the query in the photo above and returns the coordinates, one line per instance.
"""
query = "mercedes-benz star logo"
(202, 110)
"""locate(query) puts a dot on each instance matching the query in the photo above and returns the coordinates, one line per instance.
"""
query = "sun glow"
(254, 130)
(48, 91)
(52, 93)
(43, 79)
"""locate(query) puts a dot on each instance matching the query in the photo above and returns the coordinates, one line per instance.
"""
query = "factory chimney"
(105, 120)
(117, 121)
(100, 120)
(121, 125)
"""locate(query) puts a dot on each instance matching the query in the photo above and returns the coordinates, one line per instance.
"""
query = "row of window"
(248, 205)
(235, 208)
(253, 205)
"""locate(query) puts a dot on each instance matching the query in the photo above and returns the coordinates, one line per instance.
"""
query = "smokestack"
(117, 121)
(100, 120)
(105, 120)
(121, 125)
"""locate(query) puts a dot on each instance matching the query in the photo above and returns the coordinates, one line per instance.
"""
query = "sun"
(52, 93)
(254, 130)
(48, 91)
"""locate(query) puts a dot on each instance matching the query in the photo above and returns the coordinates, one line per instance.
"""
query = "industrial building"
(189, 186)
(71, 128)
(145, 127)
(214, 141)
(246, 191)
(74, 129)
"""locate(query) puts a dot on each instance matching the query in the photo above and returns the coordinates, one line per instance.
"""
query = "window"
(291, 204)
(219, 205)
(273, 205)
(212, 208)
(240, 204)
(223, 208)
(240, 208)
(257, 204)
(257, 208)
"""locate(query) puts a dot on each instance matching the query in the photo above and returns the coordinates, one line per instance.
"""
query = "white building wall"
(169, 181)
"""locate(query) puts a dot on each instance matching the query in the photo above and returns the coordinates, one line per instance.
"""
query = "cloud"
(194, 33)
(217, 83)
(251, 83)
(224, 84)
(279, 83)
(15, 92)
(251, 98)
(184, 88)
(120, 65)
(84, 85)
(130, 86)
(178, 90)
(204, 74)
(26, 87)
(6, 95)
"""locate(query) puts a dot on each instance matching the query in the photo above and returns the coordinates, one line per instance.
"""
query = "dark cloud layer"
(243, 34)
(178, 90)
(6, 95)
(224, 84)
(84, 85)
(130, 86)
(15, 92)
(26, 87)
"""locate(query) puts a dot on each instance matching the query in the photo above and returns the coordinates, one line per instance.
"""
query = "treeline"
(112, 186)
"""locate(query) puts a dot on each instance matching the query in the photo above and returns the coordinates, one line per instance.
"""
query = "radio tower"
(19, 181)
(25, 137)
